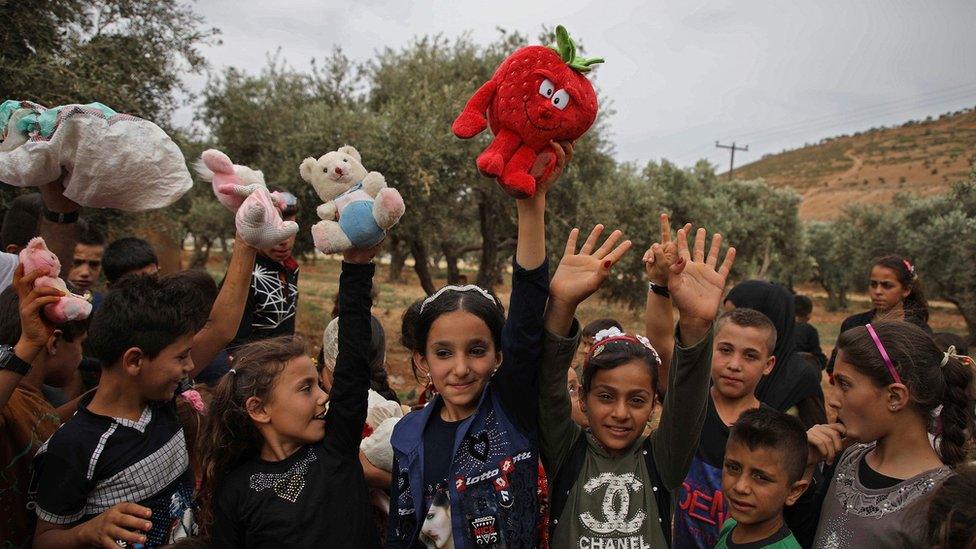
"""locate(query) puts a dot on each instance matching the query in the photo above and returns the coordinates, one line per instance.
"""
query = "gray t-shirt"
(858, 517)
(8, 264)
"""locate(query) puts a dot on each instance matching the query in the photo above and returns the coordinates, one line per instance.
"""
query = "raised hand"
(696, 285)
(361, 255)
(662, 254)
(35, 329)
(549, 165)
(580, 274)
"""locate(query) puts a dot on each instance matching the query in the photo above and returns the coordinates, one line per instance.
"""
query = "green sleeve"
(557, 431)
(676, 438)
(723, 535)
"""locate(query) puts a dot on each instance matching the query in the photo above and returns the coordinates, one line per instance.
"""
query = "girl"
(611, 485)
(896, 293)
(475, 443)
(272, 473)
(888, 379)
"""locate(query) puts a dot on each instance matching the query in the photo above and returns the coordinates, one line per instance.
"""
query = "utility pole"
(732, 148)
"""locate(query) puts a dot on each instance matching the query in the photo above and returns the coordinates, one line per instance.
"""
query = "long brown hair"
(229, 437)
(918, 360)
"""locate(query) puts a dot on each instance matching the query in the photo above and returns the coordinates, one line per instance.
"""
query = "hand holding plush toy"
(537, 95)
(359, 208)
(243, 191)
(37, 257)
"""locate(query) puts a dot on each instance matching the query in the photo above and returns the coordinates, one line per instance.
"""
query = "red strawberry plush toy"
(537, 95)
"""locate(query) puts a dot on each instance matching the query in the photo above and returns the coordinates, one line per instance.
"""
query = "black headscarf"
(792, 379)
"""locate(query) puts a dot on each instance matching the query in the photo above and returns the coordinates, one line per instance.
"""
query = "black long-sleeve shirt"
(317, 497)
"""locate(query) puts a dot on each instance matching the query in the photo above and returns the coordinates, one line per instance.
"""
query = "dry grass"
(923, 158)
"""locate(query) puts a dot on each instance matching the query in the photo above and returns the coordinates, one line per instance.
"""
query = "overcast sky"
(680, 74)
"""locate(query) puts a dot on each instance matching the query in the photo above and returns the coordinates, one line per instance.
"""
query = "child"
(272, 298)
(482, 367)
(952, 515)
(129, 255)
(273, 474)
(896, 294)
(118, 470)
(86, 266)
(741, 355)
(763, 471)
(888, 378)
(611, 486)
(807, 337)
(45, 353)
(793, 385)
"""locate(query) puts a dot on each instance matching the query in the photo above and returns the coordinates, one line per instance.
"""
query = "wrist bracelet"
(59, 217)
(659, 289)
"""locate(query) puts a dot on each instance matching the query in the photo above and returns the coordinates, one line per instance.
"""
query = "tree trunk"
(451, 257)
(421, 264)
(487, 267)
(201, 252)
(397, 260)
(967, 308)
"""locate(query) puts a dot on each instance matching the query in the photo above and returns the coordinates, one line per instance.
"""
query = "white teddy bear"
(358, 207)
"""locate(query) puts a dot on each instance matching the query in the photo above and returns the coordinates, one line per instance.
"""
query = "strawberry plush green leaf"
(566, 48)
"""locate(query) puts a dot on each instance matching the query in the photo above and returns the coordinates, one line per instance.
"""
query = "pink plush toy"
(37, 257)
(243, 191)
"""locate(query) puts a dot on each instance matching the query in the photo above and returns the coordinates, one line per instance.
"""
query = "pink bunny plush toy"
(242, 190)
(36, 256)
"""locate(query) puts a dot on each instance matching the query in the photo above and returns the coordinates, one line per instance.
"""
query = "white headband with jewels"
(452, 288)
(615, 334)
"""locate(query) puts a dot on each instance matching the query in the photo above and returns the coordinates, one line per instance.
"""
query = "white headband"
(465, 288)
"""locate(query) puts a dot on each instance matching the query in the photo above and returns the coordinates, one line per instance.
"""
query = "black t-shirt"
(271, 303)
(872, 479)
(93, 462)
(808, 341)
(438, 447)
(316, 497)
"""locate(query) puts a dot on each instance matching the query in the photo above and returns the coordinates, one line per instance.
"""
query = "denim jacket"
(494, 469)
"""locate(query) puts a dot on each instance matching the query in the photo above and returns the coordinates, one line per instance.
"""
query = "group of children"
(712, 430)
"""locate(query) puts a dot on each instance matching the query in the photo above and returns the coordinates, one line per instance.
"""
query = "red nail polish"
(607, 263)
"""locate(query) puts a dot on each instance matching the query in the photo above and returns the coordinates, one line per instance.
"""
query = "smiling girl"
(273, 475)
(888, 380)
(475, 443)
(611, 484)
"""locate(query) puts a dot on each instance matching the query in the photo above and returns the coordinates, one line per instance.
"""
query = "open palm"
(581, 274)
(696, 285)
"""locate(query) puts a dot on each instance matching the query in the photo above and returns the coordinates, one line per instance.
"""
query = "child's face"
(296, 407)
(618, 404)
(756, 484)
(886, 291)
(740, 357)
(573, 386)
(859, 403)
(159, 377)
(460, 356)
(60, 367)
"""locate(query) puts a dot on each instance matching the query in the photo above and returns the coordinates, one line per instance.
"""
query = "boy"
(32, 352)
(806, 336)
(87, 264)
(741, 355)
(129, 255)
(763, 471)
(118, 470)
(272, 300)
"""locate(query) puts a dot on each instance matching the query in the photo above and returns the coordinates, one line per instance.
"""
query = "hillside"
(870, 167)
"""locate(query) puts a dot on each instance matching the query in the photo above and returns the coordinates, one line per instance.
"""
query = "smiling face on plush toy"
(542, 97)
(334, 172)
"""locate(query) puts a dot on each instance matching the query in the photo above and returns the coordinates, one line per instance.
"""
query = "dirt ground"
(318, 283)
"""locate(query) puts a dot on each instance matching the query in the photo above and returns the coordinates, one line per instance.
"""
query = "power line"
(732, 148)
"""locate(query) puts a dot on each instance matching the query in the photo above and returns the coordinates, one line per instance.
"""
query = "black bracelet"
(61, 218)
(659, 289)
